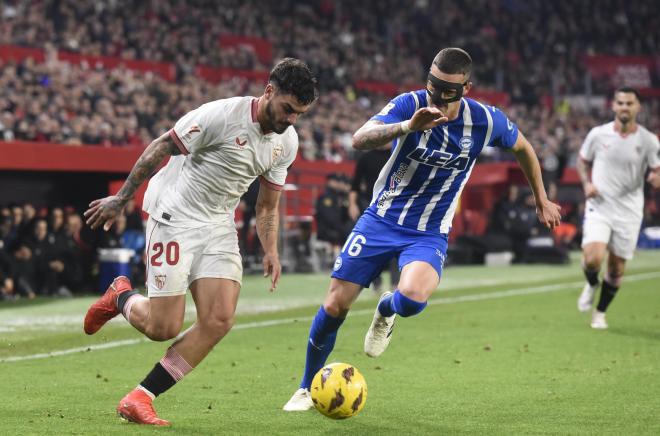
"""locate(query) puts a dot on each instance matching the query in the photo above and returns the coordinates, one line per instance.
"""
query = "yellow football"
(339, 391)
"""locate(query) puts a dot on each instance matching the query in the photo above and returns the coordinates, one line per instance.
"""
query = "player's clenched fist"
(590, 190)
(654, 178)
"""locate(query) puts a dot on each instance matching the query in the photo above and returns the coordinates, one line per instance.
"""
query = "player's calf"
(161, 333)
(322, 337)
(608, 291)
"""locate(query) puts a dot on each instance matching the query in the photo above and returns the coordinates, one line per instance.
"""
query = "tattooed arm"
(267, 229)
(105, 210)
(374, 134)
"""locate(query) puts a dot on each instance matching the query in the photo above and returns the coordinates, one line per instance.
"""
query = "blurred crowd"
(50, 252)
(528, 49)
(62, 103)
(58, 102)
(524, 46)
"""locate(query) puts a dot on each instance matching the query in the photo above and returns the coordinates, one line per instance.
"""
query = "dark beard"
(272, 126)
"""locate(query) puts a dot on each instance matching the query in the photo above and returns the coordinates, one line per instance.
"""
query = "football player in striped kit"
(436, 134)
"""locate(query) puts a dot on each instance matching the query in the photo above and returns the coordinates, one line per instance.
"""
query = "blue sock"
(322, 336)
(399, 304)
(385, 305)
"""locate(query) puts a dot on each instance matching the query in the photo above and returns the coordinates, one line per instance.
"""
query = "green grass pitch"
(499, 351)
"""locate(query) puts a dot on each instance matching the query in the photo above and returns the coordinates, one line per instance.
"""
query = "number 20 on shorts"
(171, 250)
(353, 245)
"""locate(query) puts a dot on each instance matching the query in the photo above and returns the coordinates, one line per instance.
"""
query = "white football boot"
(300, 401)
(598, 320)
(586, 299)
(380, 332)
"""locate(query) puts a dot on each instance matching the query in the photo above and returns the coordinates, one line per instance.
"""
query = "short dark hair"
(294, 77)
(453, 60)
(628, 90)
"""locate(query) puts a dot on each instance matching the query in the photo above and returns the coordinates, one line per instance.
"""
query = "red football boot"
(105, 308)
(137, 407)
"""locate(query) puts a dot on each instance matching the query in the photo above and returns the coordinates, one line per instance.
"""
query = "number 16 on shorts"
(353, 244)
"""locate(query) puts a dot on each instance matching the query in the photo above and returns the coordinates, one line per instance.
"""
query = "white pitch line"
(275, 322)
(73, 350)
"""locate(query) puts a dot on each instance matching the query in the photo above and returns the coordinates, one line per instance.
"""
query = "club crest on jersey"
(277, 152)
(466, 142)
(337, 265)
(160, 280)
(192, 131)
(386, 110)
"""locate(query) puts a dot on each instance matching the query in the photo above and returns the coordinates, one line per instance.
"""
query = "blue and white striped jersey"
(420, 184)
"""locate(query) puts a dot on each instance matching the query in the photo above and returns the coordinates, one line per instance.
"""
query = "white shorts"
(620, 236)
(177, 256)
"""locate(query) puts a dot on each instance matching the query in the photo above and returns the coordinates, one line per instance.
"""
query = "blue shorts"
(374, 241)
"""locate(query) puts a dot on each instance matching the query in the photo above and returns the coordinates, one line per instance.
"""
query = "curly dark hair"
(293, 76)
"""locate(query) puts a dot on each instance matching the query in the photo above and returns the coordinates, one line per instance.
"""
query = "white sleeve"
(198, 128)
(653, 156)
(588, 149)
(276, 175)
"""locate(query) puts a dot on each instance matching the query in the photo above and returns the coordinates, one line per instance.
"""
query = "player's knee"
(334, 309)
(162, 332)
(413, 294)
(337, 304)
(408, 304)
(217, 327)
(592, 262)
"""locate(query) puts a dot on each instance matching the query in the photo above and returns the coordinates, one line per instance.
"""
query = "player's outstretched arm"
(374, 134)
(267, 229)
(104, 211)
(547, 211)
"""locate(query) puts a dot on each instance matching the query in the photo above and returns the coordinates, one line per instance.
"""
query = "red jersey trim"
(182, 148)
(271, 185)
(625, 135)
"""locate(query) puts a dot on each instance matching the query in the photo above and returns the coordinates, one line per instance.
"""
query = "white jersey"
(223, 151)
(619, 164)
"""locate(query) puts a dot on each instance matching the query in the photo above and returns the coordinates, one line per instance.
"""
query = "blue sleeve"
(401, 108)
(505, 132)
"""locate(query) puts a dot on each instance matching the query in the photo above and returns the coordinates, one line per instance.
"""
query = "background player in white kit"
(613, 162)
(218, 149)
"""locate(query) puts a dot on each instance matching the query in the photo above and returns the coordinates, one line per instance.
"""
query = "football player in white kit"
(613, 162)
(217, 151)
